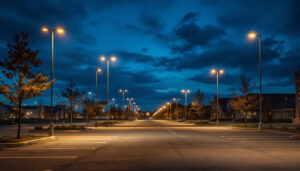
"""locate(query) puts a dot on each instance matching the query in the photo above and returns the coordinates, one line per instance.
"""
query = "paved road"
(158, 145)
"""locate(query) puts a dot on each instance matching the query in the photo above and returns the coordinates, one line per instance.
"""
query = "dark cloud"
(136, 57)
(147, 25)
(190, 17)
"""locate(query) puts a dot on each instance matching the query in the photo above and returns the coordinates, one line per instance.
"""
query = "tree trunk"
(19, 120)
(71, 113)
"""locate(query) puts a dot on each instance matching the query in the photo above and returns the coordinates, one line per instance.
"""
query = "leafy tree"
(17, 68)
(73, 95)
(92, 108)
(244, 101)
(197, 105)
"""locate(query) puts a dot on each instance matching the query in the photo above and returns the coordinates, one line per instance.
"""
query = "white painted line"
(257, 138)
(52, 149)
(38, 157)
(103, 142)
(270, 141)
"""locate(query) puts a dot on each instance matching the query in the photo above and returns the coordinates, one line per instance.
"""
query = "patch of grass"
(284, 128)
(13, 139)
(204, 122)
(246, 126)
(73, 127)
(269, 127)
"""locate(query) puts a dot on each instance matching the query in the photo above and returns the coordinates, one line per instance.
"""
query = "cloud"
(136, 57)
(189, 17)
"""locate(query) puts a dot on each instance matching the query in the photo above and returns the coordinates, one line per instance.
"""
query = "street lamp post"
(123, 95)
(103, 59)
(130, 106)
(185, 92)
(97, 71)
(59, 30)
(214, 71)
(176, 100)
(253, 35)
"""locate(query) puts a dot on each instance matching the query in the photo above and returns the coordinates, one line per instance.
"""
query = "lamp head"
(99, 70)
(60, 30)
(252, 35)
(102, 58)
(188, 91)
(182, 91)
(221, 71)
(113, 59)
(45, 29)
(213, 71)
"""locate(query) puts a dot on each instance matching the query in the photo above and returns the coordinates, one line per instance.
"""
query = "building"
(35, 112)
(5, 111)
(297, 100)
(277, 107)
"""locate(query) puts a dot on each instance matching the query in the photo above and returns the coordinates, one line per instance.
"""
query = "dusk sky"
(162, 46)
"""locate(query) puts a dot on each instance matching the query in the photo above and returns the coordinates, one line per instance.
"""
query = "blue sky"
(162, 46)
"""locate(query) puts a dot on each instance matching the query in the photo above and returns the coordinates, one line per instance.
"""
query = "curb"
(30, 142)
(295, 137)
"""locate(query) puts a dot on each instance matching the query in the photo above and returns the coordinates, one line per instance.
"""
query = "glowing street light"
(103, 59)
(123, 95)
(185, 92)
(97, 71)
(221, 72)
(253, 35)
(58, 30)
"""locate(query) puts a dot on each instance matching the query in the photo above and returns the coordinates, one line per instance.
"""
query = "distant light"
(120, 91)
(174, 99)
(188, 91)
(182, 91)
(99, 70)
(126, 91)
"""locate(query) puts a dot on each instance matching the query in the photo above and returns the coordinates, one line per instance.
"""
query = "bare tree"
(73, 95)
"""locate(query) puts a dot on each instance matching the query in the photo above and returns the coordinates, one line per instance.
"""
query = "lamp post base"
(260, 126)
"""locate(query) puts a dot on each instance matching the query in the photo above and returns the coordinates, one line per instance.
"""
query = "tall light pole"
(214, 71)
(130, 105)
(176, 100)
(97, 71)
(103, 59)
(58, 30)
(185, 92)
(254, 35)
(123, 95)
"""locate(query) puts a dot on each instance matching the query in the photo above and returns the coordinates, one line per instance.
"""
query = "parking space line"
(51, 148)
(38, 157)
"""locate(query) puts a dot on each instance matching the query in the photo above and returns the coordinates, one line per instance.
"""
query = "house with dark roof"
(275, 107)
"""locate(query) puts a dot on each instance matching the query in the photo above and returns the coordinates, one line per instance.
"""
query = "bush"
(284, 128)
(38, 128)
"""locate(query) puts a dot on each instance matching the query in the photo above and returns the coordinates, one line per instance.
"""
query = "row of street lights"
(221, 72)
